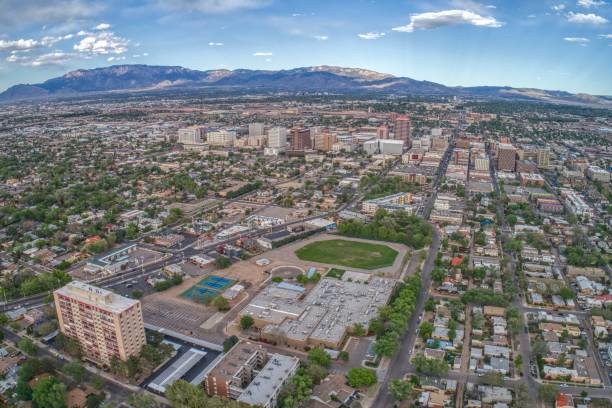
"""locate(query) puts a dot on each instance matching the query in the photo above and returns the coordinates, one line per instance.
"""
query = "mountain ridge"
(322, 78)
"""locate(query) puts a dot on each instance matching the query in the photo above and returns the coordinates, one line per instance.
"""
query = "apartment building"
(249, 374)
(104, 324)
(277, 138)
(506, 157)
(300, 139)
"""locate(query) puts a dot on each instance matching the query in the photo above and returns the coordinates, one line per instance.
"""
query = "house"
(564, 401)
(494, 311)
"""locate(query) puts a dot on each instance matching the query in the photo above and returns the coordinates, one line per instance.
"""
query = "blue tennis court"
(207, 289)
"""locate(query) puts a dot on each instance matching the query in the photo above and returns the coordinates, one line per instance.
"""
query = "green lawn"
(353, 254)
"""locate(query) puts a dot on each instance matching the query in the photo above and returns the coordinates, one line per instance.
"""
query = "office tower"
(402, 129)
(256, 129)
(324, 141)
(192, 135)
(543, 158)
(104, 324)
(223, 138)
(277, 138)
(506, 157)
(382, 132)
(300, 139)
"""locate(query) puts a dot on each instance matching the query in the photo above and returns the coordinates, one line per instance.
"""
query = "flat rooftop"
(269, 380)
(235, 359)
(326, 312)
(94, 295)
(177, 370)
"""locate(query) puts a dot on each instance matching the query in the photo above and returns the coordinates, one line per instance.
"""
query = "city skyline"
(455, 42)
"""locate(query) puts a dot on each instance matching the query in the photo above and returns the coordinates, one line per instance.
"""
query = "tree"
(539, 348)
(184, 395)
(566, 293)
(222, 262)
(319, 356)
(49, 393)
(492, 378)
(75, 370)
(23, 390)
(358, 330)
(246, 321)
(343, 355)
(433, 366)
(548, 392)
(426, 330)
(95, 400)
(142, 400)
(27, 346)
(133, 366)
(229, 343)
(361, 377)
(221, 304)
(316, 372)
(400, 389)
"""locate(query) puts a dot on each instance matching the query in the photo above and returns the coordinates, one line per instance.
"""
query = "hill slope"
(134, 78)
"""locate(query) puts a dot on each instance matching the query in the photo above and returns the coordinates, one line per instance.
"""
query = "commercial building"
(224, 138)
(598, 174)
(300, 139)
(382, 132)
(249, 374)
(192, 135)
(481, 163)
(104, 324)
(506, 157)
(402, 129)
(324, 316)
(575, 204)
(277, 138)
(543, 158)
(111, 262)
(256, 129)
(323, 141)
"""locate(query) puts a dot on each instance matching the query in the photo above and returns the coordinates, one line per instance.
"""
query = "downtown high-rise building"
(506, 157)
(402, 129)
(382, 132)
(324, 141)
(104, 324)
(277, 138)
(256, 129)
(192, 135)
(300, 139)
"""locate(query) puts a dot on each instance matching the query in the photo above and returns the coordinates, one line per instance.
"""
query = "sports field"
(354, 254)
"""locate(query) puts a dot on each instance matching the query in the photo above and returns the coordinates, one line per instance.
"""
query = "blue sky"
(554, 44)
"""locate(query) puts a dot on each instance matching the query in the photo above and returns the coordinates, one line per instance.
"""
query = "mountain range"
(139, 78)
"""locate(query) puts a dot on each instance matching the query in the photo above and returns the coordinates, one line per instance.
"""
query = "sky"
(547, 44)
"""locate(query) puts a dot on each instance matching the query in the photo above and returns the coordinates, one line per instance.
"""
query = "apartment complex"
(105, 324)
(249, 374)
(399, 201)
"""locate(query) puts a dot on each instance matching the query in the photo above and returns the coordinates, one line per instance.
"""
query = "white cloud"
(321, 37)
(445, 18)
(53, 58)
(111, 59)
(268, 59)
(559, 7)
(371, 35)
(212, 6)
(101, 44)
(606, 36)
(472, 5)
(215, 44)
(262, 54)
(19, 45)
(590, 3)
(582, 18)
(48, 40)
(531, 16)
(102, 26)
(26, 12)
(581, 40)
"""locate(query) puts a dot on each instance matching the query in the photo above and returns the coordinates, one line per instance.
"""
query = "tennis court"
(207, 289)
